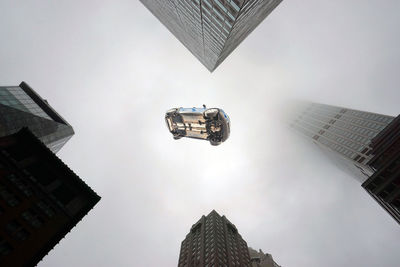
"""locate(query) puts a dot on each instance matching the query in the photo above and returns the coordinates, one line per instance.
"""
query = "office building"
(261, 259)
(21, 106)
(211, 29)
(384, 184)
(365, 144)
(214, 241)
(41, 199)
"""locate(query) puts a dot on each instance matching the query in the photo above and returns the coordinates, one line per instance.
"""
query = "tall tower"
(41, 199)
(213, 241)
(21, 106)
(211, 29)
(365, 144)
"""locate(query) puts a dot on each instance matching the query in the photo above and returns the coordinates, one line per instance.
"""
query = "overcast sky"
(112, 70)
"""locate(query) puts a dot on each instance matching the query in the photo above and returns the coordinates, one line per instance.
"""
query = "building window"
(41, 173)
(46, 209)
(16, 230)
(18, 152)
(20, 185)
(32, 218)
(8, 197)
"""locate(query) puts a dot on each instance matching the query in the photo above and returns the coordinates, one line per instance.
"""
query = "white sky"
(112, 70)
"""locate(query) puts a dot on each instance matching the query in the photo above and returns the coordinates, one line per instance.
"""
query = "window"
(221, 6)
(18, 152)
(41, 173)
(16, 230)
(8, 197)
(32, 218)
(46, 209)
(20, 185)
(233, 4)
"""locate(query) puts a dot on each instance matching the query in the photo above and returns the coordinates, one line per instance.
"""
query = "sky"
(111, 69)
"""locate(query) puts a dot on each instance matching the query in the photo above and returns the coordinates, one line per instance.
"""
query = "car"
(211, 124)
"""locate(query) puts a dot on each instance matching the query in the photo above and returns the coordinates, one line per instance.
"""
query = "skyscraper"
(213, 241)
(211, 29)
(21, 106)
(365, 144)
(41, 199)
(384, 184)
(261, 259)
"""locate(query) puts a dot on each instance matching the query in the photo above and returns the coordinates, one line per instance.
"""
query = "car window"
(191, 110)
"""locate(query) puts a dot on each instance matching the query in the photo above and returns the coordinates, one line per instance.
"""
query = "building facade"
(384, 184)
(21, 106)
(211, 29)
(41, 199)
(365, 144)
(213, 241)
(261, 259)
(345, 134)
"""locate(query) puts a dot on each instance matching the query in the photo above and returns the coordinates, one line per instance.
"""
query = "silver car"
(210, 124)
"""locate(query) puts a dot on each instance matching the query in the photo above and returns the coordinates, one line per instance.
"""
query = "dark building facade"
(41, 199)
(211, 29)
(214, 241)
(365, 144)
(261, 259)
(21, 106)
(384, 184)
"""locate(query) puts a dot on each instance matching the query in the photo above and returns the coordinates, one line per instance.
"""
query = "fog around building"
(112, 70)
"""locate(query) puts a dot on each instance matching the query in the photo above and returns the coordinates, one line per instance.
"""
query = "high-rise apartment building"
(365, 144)
(21, 106)
(261, 259)
(211, 29)
(41, 199)
(213, 241)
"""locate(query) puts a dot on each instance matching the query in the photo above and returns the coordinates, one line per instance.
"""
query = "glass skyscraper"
(347, 133)
(21, 106)
(365, 144)
(211, 29)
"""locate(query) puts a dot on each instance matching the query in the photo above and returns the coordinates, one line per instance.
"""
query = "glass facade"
(346, 132)
(211, 29)
(21, 107)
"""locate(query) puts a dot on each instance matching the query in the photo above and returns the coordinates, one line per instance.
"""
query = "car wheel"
(176, 137)
(215, 143)
(171, 112)
(211, 113)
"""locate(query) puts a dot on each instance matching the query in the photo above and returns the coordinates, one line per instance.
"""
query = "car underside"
(195, 123)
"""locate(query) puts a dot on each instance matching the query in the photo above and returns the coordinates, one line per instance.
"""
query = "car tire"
(171, 112)
(211, 113)
(176, 137)
(215, 143)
